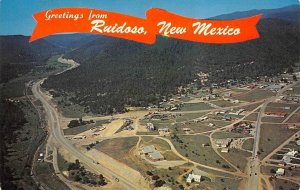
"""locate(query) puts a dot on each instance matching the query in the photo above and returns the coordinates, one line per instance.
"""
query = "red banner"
(158, 21)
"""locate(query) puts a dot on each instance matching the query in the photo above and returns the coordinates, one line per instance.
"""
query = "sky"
(16, 15)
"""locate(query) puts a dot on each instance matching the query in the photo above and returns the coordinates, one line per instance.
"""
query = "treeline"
(115, 72)
(79, 122)
(18, 56)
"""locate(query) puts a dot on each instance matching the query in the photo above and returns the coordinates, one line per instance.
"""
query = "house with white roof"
(194, 176)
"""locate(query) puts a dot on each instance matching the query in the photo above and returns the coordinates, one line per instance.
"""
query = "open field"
(271, 137)
(121, 149)
(195, 128)
(255, 95)
(79, 129)
(222, 103)
(83, 128)
(252, 117)
(248, 144)
(53, 65)
(170, 175)
(195, 106)
(294, 119)
(223, 135)
(219, 183)
(249, 107)
(279, 107)
(160, 144)
(191, 147)
(237, 157)
(284, 184)
(273, 119)
(189, 116)
(240, 90)
(147, 133)
(44, 172)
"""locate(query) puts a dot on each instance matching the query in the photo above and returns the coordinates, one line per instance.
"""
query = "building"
(156, 156)
(153, 153)
(223, 143)
(148, 149)
(287, 158)
(186, 129)
(194, 176)
(211, 125)
(274, 87)
(276, 114)
(225, 150)
(226, 118)
(280, 171)
(203, 118)
(150, 126)
(164, 130)
(293, 126)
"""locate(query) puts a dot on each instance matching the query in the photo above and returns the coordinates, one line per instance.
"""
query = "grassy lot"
(170, 175)
(273, 119)
(120, 149)
(248, 144)
(237, 158)
(147, 133)
(296, 89)
(83, 128)
(159, 144)
(279, 107)
(219, 183)
(249, 107)
(252, 117)
(240, 90)
(161, 123)
(191, 147)
(284, 184)
(195, 106)
(272, 136)
(255, 95)
(52, 64)
(294, 119)
(44, 173)
(223, 135)
(195, 127)
(189, 116)
(222, 103)
(62, 163)
(79, 129)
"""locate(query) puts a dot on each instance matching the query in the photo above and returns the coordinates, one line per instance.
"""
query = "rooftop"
(148, 149)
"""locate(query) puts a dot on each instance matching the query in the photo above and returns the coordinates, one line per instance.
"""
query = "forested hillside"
(116, 72)
(18, 56)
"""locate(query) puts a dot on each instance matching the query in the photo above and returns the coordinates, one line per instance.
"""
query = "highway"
(53, 121)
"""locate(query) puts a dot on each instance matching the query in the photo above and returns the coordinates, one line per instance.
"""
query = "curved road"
(55, 130)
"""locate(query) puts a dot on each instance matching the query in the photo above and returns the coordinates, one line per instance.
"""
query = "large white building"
(194, 176)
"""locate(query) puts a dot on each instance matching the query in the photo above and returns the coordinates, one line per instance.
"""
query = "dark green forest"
(116, 72)
(11, 119)
(18, 56)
